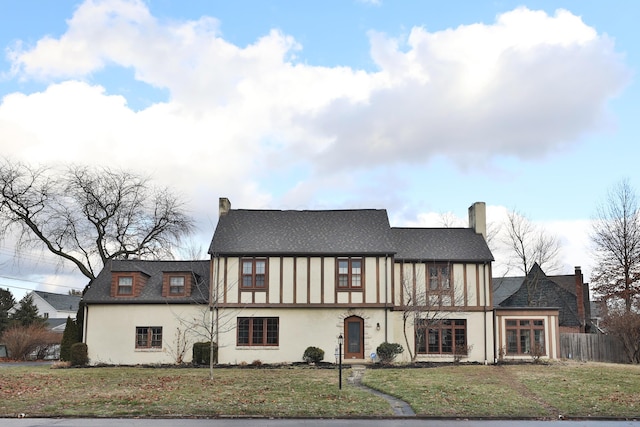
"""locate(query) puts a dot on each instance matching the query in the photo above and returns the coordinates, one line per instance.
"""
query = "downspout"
(386, 297)
(85, 322)
(213, 288)
(484, 273)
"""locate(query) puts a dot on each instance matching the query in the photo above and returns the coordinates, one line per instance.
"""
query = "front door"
(353, 338)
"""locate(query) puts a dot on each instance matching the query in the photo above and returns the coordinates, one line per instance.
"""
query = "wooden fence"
(592, 347)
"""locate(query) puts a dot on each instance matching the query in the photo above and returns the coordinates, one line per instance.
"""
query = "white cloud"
(523, 86)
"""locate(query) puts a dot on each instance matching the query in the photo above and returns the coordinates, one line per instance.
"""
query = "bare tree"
(425, 306)
(88, 216)
(529, 244)
(626, 327)
(615, 236)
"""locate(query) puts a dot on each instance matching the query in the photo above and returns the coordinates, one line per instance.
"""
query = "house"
(279, 281)
(524, 307)
(56, 308)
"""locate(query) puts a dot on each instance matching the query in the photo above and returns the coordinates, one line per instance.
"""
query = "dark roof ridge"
(308, 210)
(159, 260)
(431, 228)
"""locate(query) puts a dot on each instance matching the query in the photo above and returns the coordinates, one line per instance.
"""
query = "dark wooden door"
(353, 338)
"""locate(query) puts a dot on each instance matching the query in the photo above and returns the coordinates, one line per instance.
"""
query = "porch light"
(378, 326)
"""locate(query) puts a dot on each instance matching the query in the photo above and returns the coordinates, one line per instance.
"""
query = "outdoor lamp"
(340, 342)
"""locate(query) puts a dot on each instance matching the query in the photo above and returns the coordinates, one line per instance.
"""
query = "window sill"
(148, 350)
(258, 347)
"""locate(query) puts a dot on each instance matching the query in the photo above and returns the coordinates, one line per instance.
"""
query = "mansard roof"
(99, 290)
(305, 232)
(440, 244)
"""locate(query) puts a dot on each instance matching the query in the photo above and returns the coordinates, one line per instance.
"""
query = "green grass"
(573, 390)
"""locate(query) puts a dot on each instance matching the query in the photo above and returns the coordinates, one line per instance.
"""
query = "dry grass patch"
(455, 391)
(570, 389)
(128, 392)
(586, 390)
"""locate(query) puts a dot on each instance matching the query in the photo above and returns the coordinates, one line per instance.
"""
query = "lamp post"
(340, 341)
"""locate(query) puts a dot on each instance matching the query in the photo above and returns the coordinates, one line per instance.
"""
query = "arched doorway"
(354, 338)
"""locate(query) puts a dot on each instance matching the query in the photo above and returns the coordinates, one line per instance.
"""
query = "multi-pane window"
(254, 274)
(176, 285)
(149, 337)
(125, 285)
(350, 273)
(525, 336)
(439, 277)
(441, 337)
(258, 331)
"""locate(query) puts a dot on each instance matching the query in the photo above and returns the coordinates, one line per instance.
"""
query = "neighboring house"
(283, 280)
(56, 306)
(532, 311)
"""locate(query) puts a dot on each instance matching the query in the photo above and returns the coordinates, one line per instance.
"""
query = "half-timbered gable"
(274, 258)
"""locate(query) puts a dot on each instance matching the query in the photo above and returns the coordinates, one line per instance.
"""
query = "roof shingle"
(270, 232)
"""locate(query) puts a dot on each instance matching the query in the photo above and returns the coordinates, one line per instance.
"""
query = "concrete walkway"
(400, 407)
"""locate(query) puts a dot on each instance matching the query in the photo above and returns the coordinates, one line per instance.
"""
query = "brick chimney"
(478, 218)
(224, 206)
(580, 298)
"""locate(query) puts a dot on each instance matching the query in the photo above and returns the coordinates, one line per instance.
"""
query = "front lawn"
(522, 391)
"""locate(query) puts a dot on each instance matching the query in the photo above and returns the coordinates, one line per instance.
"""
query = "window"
(176, 285)
(149, 337)
(254, 274)
(125, 285)
(350, 274)
(439, 279)
(441, 337)
(258, 331)
(525, 336)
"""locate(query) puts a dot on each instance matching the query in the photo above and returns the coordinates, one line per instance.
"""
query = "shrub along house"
(283, 280)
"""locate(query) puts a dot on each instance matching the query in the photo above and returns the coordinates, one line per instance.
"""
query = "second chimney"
(478, 218)
(224, 206)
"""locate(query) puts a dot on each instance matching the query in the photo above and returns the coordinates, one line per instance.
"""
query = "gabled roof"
(60, 302)
(537, 290)
(440, 244)
(282, 232)
(99, 290)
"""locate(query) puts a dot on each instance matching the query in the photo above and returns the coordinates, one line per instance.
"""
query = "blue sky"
(419, 107)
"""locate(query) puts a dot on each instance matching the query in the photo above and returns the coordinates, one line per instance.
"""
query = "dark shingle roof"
(537, 290)
(504, 287)
(61, 302)
(100, 289)
(440, 244)
(340, 232)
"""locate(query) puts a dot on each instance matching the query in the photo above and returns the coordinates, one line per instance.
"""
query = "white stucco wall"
(300, 328)
(110, 332)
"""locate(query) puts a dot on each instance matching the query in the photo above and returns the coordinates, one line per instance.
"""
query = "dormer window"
(125, 285)
(176, 285)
